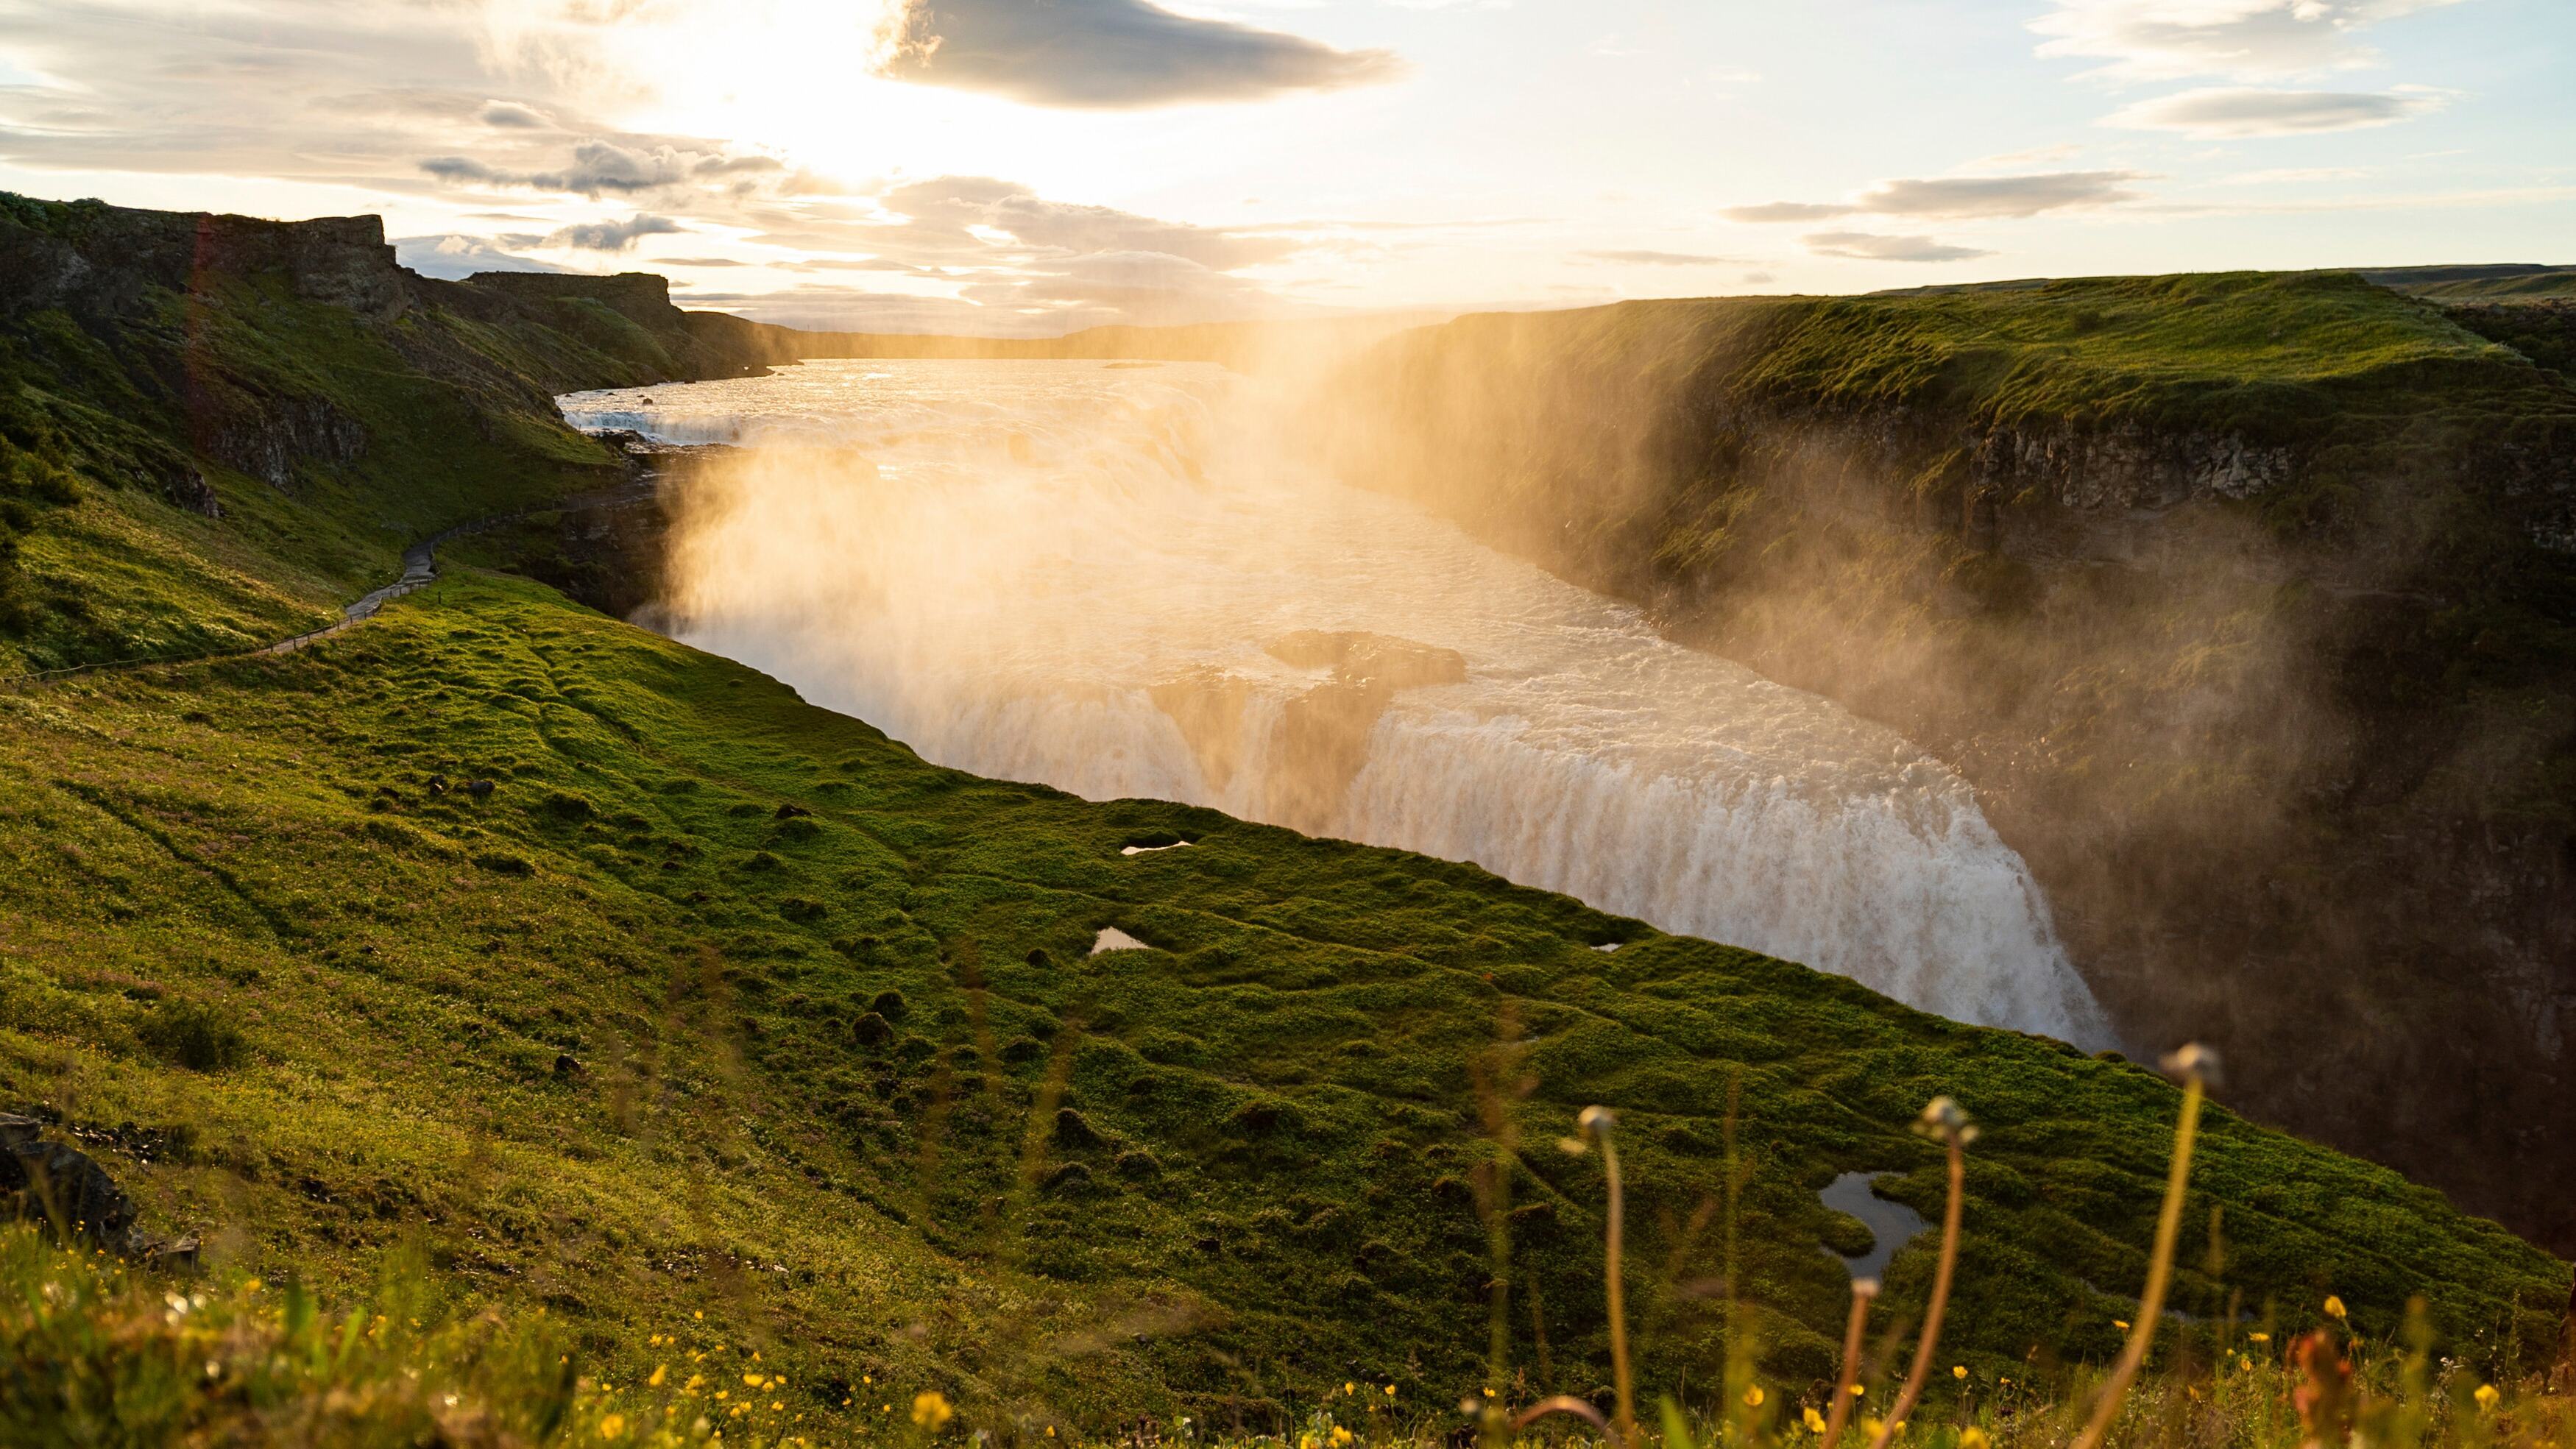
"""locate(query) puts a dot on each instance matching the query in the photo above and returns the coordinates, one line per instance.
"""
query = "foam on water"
(1030, 550)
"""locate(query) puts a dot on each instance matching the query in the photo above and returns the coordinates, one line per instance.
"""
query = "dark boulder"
(63, 1188)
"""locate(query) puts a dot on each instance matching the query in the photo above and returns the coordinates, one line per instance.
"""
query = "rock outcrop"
(64, 1189)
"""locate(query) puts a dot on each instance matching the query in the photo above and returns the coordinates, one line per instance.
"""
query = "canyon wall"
(2247, 603)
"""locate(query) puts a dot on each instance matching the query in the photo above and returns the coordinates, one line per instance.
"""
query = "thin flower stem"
(1863, 1290)
(1598, 1121)
(1914, 1377)
(2159, 1271)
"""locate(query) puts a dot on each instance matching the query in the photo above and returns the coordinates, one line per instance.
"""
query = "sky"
(1024, 167)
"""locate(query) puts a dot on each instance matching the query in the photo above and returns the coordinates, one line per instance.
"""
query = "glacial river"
(1112, 579)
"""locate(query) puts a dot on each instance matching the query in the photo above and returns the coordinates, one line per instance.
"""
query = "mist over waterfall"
(1118, 580)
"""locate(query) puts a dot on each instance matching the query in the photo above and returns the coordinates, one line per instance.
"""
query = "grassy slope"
(1275, 1136)
(1276, 1124)
(2281, 358)
(123, 572)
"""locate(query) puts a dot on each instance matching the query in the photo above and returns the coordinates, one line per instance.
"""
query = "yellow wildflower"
(1050, 1431)
(2334, 1306)
(660, 1372)
(2120, 1323)
(930, 1410)
(2260, 1337)
(2486, 1396)
(1815, 1421)
(1341, 1436)
(1856, 1392)
(1390, 1391)
(1753, 1397)
(612, 1426)
(1871, 1425)
(1973, 1437)
(1958, 1371)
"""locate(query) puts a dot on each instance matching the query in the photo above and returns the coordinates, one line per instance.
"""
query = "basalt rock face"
(102, 261)
(269, 436)
(2277, 700)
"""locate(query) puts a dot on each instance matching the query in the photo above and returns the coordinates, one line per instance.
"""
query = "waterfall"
(1121, 582)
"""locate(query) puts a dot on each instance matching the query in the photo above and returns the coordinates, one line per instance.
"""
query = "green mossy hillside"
(723, 1004)
(198, 457)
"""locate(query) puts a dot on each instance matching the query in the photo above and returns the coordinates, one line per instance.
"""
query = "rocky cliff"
(2247, 603)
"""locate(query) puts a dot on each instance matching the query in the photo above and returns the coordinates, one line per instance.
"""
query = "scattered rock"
(790, 812)
(567, 1066)
(479, 789)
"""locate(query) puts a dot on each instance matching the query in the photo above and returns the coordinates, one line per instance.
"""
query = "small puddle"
(1891, 1224)
(1113, 939)
(1154, 849)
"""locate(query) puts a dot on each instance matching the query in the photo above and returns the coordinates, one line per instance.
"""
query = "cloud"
(455, 257)
(1963, 198)
(2238, 112)
(944, 213)
(1869, 247)
(699, 262)
(601, 167)
(1113, 54)
(512, 115)
(1664, 259)
(1988, 197)
(614, 236)
(2294, 175)
(1785, 211)
(2147, 40)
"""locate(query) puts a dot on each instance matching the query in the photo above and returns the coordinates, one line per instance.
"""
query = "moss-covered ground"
(722, 1004)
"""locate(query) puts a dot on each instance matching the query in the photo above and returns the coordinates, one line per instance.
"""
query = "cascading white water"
(1096, 576)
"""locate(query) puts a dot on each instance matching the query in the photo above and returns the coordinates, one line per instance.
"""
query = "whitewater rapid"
(1109, 579)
